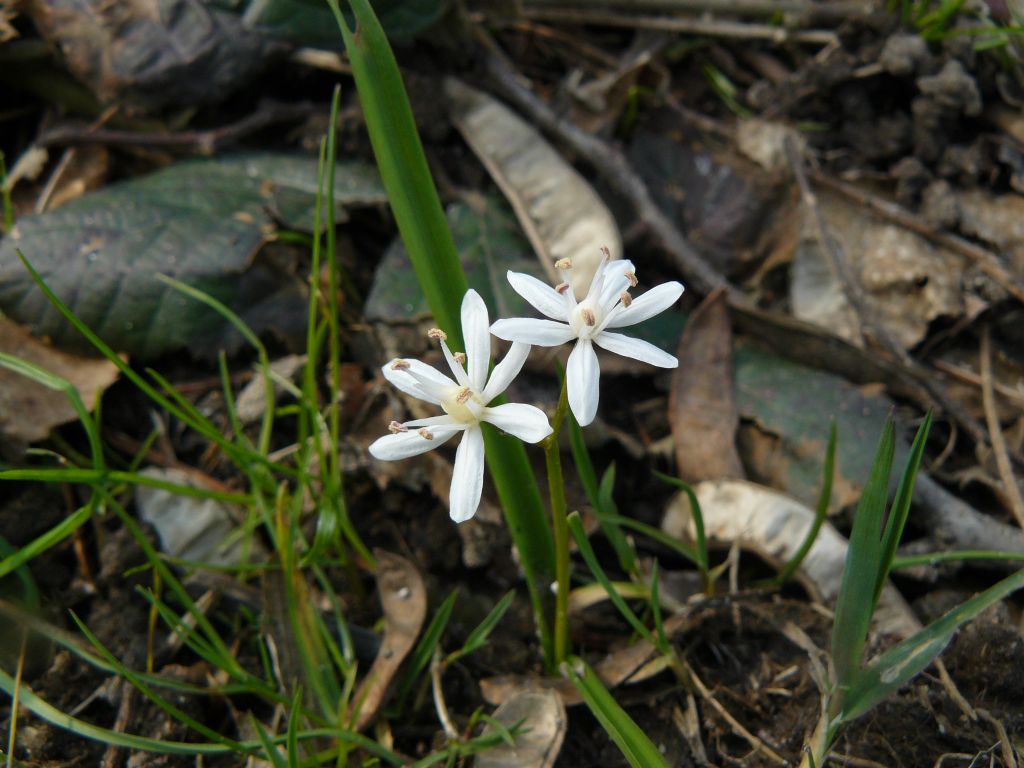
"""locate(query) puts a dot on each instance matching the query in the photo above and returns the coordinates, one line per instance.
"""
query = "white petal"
(505, 371)
(420, 380)
(541, 296)
(584, 379)
(478, 339)
(468, 477)
(615, 282)
(543, 333)
(412, 443)
(523, 421)
(656, 300)
(638, 349)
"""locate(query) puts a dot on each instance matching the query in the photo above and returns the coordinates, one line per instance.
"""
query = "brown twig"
(854, 293)
(738, 30)
(987, 261)
(995, 431)
(834, 10)
(204, 141)
(738, 728)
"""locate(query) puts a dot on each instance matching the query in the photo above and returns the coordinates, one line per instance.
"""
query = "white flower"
(465, 402)
(607, 305)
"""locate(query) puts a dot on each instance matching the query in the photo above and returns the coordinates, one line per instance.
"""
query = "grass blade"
(820, 512)
(626, 734)
(855, 602)
(901, 505)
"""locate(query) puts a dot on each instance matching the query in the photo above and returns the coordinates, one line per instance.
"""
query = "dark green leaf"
(201, 222)
(797, 405)
(856, 600)
(310, 22)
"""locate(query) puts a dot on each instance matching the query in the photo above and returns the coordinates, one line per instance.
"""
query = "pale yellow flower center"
(455, 404)
(585, 318)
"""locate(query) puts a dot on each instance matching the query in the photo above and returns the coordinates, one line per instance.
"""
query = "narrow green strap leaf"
(626, 734)
(900, 510)
(820, 512)
(855, 603)
(900, 663)
(701, 542)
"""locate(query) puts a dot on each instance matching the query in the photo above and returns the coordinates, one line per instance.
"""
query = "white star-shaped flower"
(465, 402)
(607, 305)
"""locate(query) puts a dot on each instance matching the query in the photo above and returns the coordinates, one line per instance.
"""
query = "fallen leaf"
(541, 714)
(907, 281)
(28, 411)
(251, 403)
(794, 406)
(202, 222)
(702, 402)
(774, 526)
(154, 54)
(404, 601)
(560, 212)
(194, 529)
(311, 22)
(732, 211)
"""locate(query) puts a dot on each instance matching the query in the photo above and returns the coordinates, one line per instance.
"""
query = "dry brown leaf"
(702, 403)
(907, 281)
(28, 410)
(774, 525)
(404, 601)
(541, 713)
(557, 208)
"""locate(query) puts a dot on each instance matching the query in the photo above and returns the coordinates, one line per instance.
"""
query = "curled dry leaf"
(774, 526)
(194, 529)
(28, 411)
(404, 601)
(558, 210)
(540, 713)
(907, 281)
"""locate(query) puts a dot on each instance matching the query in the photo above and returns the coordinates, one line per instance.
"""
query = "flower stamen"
(425, 433)
(463, 397)
(562, 288)
(437, 334)
(396, 427)
(400, 365)
(459, 357)
(625, 298)
(588, 316)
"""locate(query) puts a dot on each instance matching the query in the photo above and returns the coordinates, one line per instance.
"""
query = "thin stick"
(709, 27)
(836, 10)
(735, 724)
(439, 704)
(996, 432)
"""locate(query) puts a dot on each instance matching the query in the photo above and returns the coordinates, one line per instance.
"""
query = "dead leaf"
(907, 281)
(541, 713)
(774, 526)
(404, 601)
(28, 411)
(194, 529)
(172, 52)
(252, 400)
(702, 402)
(557, 208)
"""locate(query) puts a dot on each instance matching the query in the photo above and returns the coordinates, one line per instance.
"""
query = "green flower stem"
(559, 526)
